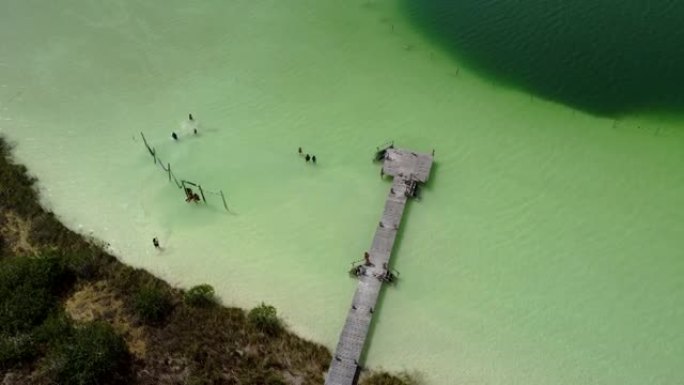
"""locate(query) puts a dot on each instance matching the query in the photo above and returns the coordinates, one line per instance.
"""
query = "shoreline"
(210, 344)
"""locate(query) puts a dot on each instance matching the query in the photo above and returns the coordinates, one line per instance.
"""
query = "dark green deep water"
(606, 57)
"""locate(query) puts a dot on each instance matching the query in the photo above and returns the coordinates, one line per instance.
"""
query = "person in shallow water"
(300, 151)
(155, 242)
(190, 117)
(313, 158)
(307, 158)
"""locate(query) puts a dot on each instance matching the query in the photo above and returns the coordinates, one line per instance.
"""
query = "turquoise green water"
(546, 250)
(593, 55)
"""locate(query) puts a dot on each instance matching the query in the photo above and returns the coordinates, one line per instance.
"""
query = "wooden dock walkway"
(408, 169)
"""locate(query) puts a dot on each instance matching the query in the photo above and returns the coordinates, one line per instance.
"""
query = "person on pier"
(366, 258)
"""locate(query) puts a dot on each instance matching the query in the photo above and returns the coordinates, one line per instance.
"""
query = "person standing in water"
(313, 159)
(300, 151)
(192, 119)
(155, 242)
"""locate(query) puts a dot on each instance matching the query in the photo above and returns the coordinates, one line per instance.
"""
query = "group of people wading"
(191, 119)
(308, 158)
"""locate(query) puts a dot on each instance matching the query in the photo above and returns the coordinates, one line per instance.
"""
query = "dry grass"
(98, 302)
(15, 231)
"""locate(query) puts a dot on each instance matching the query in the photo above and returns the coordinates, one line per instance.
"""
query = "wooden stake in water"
(146, 144)
(224, 201)
(201, 193)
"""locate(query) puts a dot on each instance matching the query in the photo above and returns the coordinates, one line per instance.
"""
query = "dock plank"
(405, 167)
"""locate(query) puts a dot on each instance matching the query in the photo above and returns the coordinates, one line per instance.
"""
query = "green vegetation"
(265, 318)
(32, 325)
(152, 304)
(94, 355)
(383, 378)
(56, 328)
(17, 189)
(201, 296)
(15, 350)
(29, 289)
(83, 264)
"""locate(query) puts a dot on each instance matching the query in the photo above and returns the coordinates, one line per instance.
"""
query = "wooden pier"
(408, 169)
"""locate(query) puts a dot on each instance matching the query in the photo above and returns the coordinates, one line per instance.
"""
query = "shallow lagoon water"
(546, 249)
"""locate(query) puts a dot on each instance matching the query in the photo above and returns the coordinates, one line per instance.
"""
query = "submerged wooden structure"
(409, 169)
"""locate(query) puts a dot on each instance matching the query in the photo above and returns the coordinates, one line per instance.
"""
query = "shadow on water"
(596, 56)
(430, 185)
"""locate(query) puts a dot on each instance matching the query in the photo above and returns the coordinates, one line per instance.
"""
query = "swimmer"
(307, 158)
(174, 136)
(313, 158)
(190, 117)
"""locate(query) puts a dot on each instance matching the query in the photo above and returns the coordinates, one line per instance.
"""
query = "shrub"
(382, 378)
(45, 272)
(83, 264)
(201, 296)
(152, 304)
(25, 308)
(275, 379)
(28, 291)
(94, 355)
(126, 280)
(265, 318)
(197, 379)
(17, 190)
(56, 329)
(15, 349)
